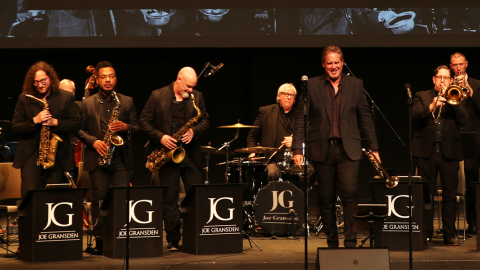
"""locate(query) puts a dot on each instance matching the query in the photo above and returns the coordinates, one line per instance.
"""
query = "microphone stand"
(374, 105)
(207, 65)
(226, 145)
(305, 201)
(410, 241)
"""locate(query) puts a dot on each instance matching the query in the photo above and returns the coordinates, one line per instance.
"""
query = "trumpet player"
(168, 111)
(98, 120)
(43, 107)
(459, 64)
(438, 148)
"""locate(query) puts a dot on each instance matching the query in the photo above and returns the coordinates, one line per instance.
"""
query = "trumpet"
(458, 90)
(391, 181)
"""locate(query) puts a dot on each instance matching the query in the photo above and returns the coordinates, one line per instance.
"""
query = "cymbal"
(213, 150)
(256, 149)
(238, 125)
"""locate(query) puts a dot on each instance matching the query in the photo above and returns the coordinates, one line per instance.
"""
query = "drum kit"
(286, 167)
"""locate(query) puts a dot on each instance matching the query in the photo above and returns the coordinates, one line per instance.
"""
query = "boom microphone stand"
(305, 201)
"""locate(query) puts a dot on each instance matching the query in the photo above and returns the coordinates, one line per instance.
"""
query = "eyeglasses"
(443, 78)
(42, 81)
(287, 95)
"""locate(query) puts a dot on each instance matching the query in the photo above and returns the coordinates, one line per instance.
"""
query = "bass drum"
(276, 205)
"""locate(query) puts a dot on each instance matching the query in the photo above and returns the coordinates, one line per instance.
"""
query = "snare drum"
(294, 169)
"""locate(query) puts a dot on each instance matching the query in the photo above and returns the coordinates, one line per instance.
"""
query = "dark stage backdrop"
(249, 79)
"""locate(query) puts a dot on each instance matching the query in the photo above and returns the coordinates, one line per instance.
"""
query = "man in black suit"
(62, 117)
(338, 108)
(276, 124)
(459, 64)
(437, 145)
(166, 111)
(96, 112)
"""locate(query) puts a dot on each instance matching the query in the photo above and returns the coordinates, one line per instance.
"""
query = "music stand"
(370, 214)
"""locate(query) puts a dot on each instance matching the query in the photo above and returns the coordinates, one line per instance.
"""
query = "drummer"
(276, 124)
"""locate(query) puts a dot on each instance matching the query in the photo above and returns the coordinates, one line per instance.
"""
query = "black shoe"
(173, 246)
(472, 229)
(98, 250)
(350, 244)
(451, 242)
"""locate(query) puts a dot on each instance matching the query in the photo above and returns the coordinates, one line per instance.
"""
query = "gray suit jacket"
(355, 119)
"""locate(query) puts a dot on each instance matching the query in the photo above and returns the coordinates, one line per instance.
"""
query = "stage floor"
(278, 254)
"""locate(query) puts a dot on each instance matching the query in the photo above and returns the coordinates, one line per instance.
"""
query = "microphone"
(214, 70)
(409, 93)
(292, 213)
(304, 82)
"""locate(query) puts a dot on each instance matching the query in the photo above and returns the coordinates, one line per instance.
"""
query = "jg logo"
(279, 199)
(213, 209)
(391, 205)
(51, 215)
(132, 215)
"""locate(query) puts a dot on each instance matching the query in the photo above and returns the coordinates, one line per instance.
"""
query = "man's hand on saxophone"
(187, 137)
(118, 126)
(42, 116)
(168, 141)
(101, 147)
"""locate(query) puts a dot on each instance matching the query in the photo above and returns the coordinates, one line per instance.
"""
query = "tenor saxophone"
(111, 138)
(392, 181)
(48, 142)
(162, 154)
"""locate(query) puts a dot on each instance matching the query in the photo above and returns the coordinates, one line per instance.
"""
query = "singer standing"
(459, 64)
(166, 111)
(338, 111)
(276, 124)
(437, 145)
(96, 115)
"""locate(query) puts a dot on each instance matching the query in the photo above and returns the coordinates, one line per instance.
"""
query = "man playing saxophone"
(107, 117)
(438, 147)
(44, 112)
(166, 113)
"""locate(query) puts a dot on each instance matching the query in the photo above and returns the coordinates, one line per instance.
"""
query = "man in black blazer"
(166, 111)
(276, 124)
(459, 64)
(338, 111)
(62, 117)
(438, 146)
(96, 113)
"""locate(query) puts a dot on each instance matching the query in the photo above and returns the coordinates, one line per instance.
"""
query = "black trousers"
(35, 177)
(337, 169)
(115, 175)
(170, 175)
(428, 168)
(471, 167)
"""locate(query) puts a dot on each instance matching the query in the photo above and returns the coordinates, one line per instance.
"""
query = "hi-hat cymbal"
(256, 149)
(238, 125)
(213, 150)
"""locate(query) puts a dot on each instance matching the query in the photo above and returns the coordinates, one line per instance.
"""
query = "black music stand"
(4, 131)
(371, 214)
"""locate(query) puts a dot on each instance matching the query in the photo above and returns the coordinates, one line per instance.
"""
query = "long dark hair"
(29, 88)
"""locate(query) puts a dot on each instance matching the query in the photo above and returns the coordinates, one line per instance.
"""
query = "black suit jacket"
(62, 107)
(473, 109)
(156, 120)
(424, 125)
(355, 119)
(91, 128)
(267, 120)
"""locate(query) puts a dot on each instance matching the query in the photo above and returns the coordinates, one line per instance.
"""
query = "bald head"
(186, 80)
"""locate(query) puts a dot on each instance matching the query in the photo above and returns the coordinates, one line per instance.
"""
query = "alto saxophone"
(111, 138)
(162, 154)
(392, 181)
(48, 142)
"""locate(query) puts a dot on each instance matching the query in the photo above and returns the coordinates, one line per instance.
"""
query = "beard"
(185, 95)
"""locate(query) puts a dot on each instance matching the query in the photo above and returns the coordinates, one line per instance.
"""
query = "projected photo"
(16, 21)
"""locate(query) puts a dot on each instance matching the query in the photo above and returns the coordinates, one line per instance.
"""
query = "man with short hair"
(338, 111)
(167, 110)
(437, 145)
(276, 124)
(62, 118)
(459, 64)
(96, 112)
